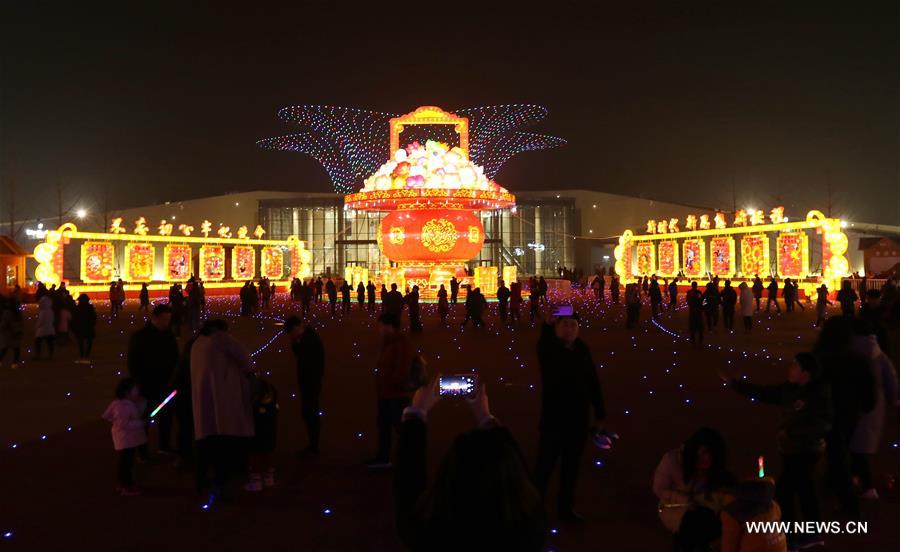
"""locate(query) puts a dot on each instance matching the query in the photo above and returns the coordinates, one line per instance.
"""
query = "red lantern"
(431, 235)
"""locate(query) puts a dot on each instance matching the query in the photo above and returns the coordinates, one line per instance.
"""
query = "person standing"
(805, 401)
(113, 299)
(502, 300)
(392, 378)
(84, 322)
(729, 301)
(412, 302)
(673, 294)
(318, 290)
(331, 290)
(632, 305)
(515, 301)
(847, 298)
(309, 353)
(570, 389)
(45, 329)
(773, 295)
(393, 302)
(265, 292)
(475, 303)
(747, 301)
(194, 305)
(694, 301)
(361, 295)
(152, 356)
(128, 432)
(614, 289)
(370, 295)
(822, 304)
(443, 305)
(655, 298)
(306, 293)
(221, 400)
(11, 331)
(345, 297)
(120, 294)
(454, 289)
(144, 299)
(711, 301)
(176, 308)
(757, 291)
(867, 435)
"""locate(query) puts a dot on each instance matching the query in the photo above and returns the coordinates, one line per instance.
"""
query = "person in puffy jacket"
(45, 331)
(128, 431)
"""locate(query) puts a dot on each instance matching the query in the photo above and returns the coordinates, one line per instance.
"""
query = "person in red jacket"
(392, 385)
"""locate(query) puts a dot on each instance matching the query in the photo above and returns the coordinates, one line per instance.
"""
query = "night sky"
(669, 101)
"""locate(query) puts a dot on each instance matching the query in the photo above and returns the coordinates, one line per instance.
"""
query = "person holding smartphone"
(482, 496)
(570, 389)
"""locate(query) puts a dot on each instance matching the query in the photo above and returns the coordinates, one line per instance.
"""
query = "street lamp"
(81, 213)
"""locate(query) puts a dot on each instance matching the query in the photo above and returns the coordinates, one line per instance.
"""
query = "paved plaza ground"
(57, 462)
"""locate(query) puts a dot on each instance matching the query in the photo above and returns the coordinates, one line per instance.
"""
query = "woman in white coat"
(223, 414)
(747, 306)
(45, 330)
(867, 435)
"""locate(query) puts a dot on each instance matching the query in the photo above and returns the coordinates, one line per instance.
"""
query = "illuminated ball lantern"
(432, 193)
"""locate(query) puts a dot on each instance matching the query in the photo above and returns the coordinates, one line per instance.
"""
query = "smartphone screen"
(563, 310)
(461, 386)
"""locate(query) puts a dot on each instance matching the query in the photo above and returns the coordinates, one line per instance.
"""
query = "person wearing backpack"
(392, 385)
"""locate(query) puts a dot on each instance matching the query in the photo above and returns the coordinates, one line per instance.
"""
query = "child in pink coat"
(128, 431)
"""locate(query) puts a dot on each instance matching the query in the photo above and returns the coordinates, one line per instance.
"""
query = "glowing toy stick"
(166, 401)
(760, 461)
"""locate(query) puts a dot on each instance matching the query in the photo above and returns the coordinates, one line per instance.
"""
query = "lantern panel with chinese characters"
(793, 255)
(177, 261)
(646, 258)
(243, 262)
(212, 262)
(721, 256)
(139, 259)
(668, 258)
(97, 261)
(694, 252)
(272, 263)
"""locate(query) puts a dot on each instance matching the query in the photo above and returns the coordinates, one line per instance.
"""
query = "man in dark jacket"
(392, 379)
(569, 390)
(673, 294)
(694, 300)
(393, 302)
(331, 291)
(773, 295)
(454, 289)
(502, 300)
(805, 401)
(345, 297)
(729, 300)
(370, 295)
(310, 356)
(152, 356)
(361, 295)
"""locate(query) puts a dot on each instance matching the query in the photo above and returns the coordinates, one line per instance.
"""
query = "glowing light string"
(351, 143)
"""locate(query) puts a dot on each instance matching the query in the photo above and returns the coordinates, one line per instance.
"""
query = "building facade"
(536, 236)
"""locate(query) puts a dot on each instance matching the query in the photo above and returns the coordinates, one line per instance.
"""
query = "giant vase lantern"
(432, 193)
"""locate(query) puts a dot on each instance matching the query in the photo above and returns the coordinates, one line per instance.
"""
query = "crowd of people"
(224, 412)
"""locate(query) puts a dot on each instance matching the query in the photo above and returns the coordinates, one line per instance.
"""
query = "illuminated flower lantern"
(432, 193)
